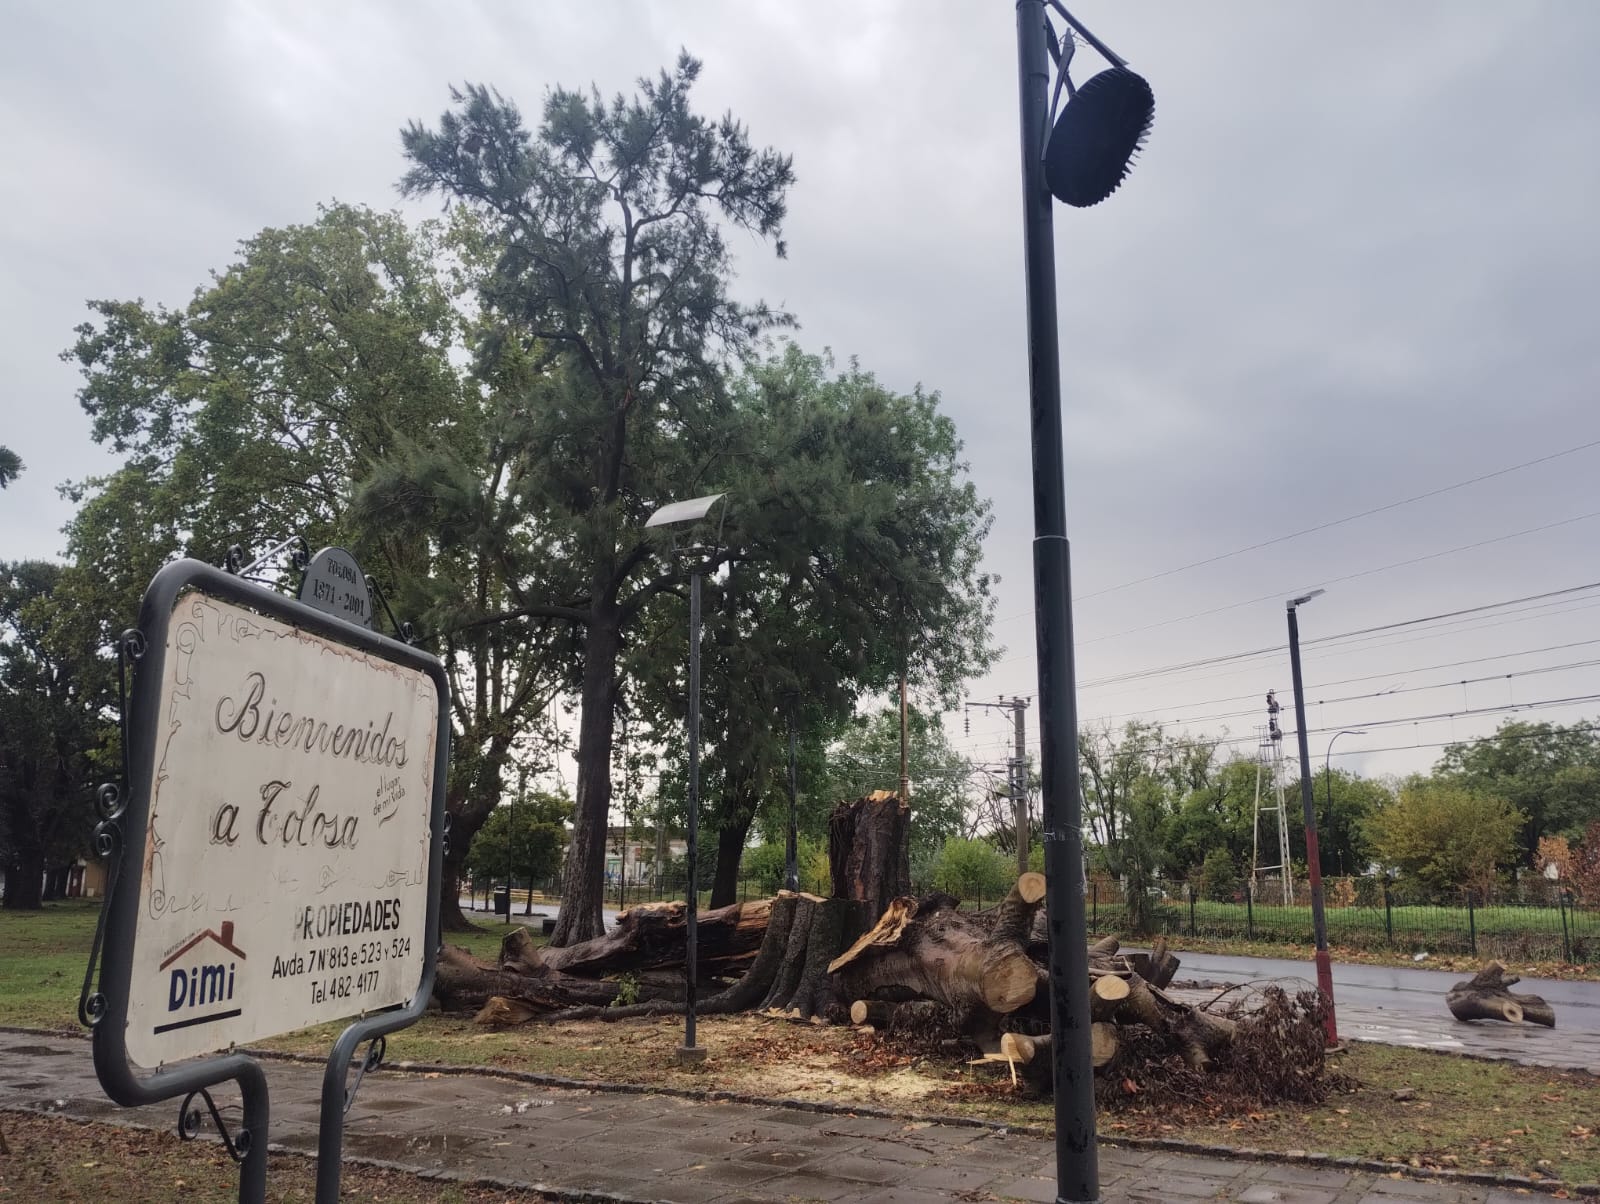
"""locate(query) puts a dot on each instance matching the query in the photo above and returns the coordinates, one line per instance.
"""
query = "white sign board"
(285, 867)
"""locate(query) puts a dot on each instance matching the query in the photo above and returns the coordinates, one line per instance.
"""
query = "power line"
(1164, 670)
(1590, 728)
(1345, 681)
(1324, 526)
(1337, 522)
(1440, 717)
(1348, 644)
(1443, 685)
(1399, 564)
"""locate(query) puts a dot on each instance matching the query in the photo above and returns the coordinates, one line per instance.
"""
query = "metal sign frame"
(121, 835)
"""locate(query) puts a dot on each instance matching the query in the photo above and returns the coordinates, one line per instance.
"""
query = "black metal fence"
(1548, 923)
(1554, 927)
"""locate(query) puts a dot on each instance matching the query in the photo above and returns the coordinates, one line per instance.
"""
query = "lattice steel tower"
(1269, 773)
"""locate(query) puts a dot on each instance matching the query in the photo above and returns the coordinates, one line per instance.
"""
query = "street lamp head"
(1095, 139)
(1304, 598)
(691, 511)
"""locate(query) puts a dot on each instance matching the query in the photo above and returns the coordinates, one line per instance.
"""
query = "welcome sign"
(284, 878)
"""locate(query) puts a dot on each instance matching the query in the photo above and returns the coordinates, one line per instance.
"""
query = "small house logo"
(200, 979)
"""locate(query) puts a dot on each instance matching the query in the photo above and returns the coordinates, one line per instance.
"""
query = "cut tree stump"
(1013, 918)
(1488, 996)
(869, 850)
(1106, 995)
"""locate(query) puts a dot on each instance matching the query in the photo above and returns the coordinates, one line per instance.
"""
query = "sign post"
(278, 860)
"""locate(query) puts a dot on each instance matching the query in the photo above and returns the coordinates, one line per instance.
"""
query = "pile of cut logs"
(870, 954)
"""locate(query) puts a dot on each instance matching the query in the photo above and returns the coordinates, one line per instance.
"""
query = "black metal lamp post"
(1081, 161)
(791, 858)
(511, 854)
(691, 511)
(1319, 919)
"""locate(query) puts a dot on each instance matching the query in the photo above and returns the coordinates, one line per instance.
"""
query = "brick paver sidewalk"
(658, 1148)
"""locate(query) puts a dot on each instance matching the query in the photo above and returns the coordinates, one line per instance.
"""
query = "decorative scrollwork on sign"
(110, 801)
(190, 1119)
(233, 561)
(376, 1048)
(405, 631)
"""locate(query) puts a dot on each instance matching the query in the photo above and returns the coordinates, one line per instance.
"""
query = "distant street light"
(1327, 776)
(690, 512)
(1319, 920)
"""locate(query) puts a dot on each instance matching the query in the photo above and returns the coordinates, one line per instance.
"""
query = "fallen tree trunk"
(1488, 996)
(929, 949)
(652, 936)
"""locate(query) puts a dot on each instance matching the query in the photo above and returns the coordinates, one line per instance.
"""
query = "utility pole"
(1019, 782)
(1016, 771)
(905, 745)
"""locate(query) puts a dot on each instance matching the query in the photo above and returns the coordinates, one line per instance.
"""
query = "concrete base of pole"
(1325, 985)
(690, 1055)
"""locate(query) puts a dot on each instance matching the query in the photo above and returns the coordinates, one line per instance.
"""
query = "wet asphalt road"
(1405, 1006)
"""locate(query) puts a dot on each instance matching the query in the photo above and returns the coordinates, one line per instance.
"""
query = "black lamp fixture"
(1095, 136)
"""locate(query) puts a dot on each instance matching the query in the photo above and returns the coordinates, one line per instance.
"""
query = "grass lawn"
(53, 1158)
(1464, 1113)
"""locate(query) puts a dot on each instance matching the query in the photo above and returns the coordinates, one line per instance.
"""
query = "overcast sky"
(1356, 263)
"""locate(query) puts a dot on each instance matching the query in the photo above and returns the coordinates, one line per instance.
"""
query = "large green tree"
(523, 838)
(10, 466)
(1548, 771)
(317, 361)
(1344, 801)
(51, 727)
(1443, 836)
(852, 549)
(608, 322)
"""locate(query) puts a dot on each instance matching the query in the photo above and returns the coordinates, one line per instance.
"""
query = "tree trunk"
(25, 880)
(583, 881)
(730, 848)
(869, 857)
(450, 917)
(931, 950)
(1013, 919)
(1488, 996)
(815, 994)
(651, 936)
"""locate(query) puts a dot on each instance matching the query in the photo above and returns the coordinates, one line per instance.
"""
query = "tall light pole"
(1327, 775)
(1319, 920)
(791, 851)
(1080, 161)
(691, 511)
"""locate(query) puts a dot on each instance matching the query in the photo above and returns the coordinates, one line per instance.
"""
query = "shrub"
(1219, 877)
(973, 870)
(1369, 891)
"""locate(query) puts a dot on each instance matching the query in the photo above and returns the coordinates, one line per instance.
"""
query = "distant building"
(636, 856)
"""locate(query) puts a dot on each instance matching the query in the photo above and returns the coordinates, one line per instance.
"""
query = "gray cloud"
(1356, 262)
